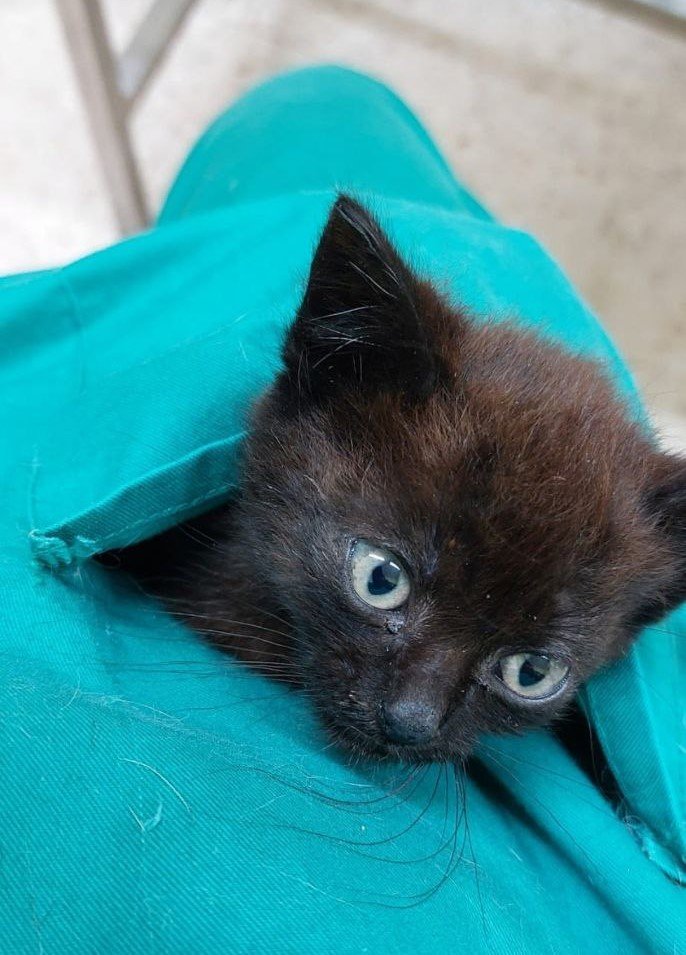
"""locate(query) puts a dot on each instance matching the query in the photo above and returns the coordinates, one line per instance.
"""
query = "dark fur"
(530, 509)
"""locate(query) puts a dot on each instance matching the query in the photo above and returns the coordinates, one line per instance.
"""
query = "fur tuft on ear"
(360, 324)
(666, 503)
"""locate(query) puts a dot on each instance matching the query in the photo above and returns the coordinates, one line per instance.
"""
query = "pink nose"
(410, 722)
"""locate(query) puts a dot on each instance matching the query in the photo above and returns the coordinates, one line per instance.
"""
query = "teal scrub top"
(156, 795)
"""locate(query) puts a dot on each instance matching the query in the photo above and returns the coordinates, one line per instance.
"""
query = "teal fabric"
(158, 797)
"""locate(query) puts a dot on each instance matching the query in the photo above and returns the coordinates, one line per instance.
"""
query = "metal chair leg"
(107, 109)
(110, 88)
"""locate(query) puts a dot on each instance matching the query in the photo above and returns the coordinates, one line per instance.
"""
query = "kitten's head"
(462, 522)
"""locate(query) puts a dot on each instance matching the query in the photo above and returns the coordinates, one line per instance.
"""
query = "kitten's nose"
(410, 721)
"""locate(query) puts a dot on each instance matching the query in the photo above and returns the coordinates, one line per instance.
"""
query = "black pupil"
(533, 670)
(383, 579)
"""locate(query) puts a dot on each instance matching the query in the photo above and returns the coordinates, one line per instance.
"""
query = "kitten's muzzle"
(410, 722)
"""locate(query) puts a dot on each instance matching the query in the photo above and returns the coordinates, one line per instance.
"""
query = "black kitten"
(443, 527)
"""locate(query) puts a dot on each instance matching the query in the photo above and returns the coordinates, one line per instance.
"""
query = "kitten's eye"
(532, 675)
(378, 576)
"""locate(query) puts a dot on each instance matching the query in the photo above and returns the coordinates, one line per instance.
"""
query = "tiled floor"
(568, 120)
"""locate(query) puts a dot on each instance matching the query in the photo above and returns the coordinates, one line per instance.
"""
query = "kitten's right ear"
(666, 502)
(361, 324)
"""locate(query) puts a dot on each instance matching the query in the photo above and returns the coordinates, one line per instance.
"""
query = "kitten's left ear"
(666, 501)
(362, 322)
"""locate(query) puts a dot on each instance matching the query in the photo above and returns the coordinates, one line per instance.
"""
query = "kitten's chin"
(353, 741)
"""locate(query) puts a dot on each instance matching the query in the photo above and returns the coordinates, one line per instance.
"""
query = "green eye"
(378, 577)
(532, 676)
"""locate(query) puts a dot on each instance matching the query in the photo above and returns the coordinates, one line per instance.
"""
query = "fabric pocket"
(178, 331)
(149, 447)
